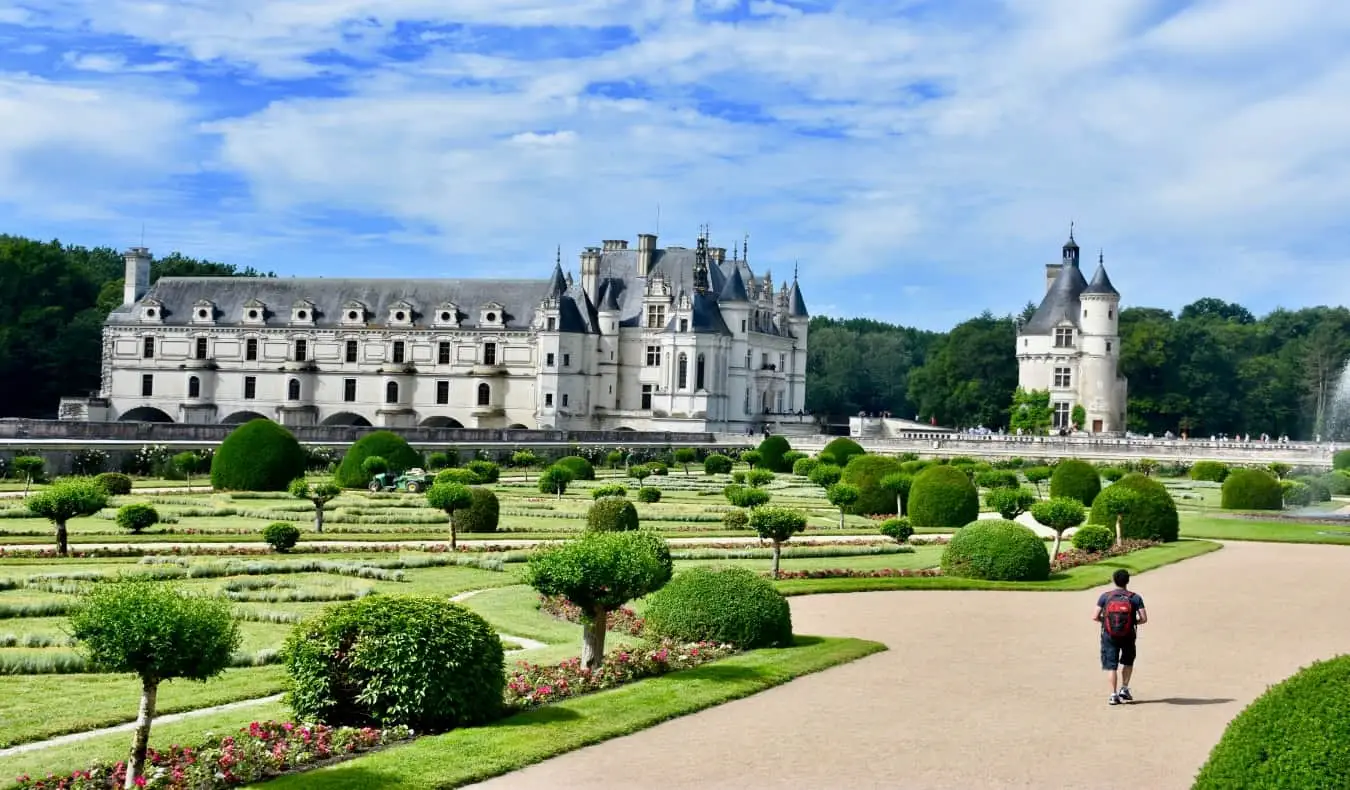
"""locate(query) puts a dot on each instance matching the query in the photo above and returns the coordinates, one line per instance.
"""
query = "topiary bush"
(649, 494)
(791, 458)
(481, 515)
(580, 468)
(1010, 502)
(897, 529)
(1112, 473)
(465, 477)
(1094, 538)
(771, 454)
(1293, 736)
(825, 475)
(841, 450)
(736, 519)
(258, 456)
(612, 514)
(996, 550)
(136, 517)
(114, 483)
(1075, 479)
(1337, 482)
(1296, 494)
(759, 477)
(726, 605)
(384, 660)
(613, 489)
(489, 472)
(281, 536)
(1152, 513)
(1251, 489)
(865, 472)
(437, 461)
(997, 478)
(1317, 489)
(394, 449)
(1341, 460)
(745, 497)
(716, 464)
(942, 496)
(1213, 471)
(802, 466)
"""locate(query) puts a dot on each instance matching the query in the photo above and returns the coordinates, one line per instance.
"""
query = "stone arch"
(624, 428)
(441, 422)
(241, 417)
(145, 414)
(346, 418)
(518, 427)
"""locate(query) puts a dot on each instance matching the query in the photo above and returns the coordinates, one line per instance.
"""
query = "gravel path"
(1000, 689)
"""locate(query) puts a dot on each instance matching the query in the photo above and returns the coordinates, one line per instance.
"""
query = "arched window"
(391, 392)
(699, 373)
(684, 372)
(484, 394)
(293, 389)
(194, 387)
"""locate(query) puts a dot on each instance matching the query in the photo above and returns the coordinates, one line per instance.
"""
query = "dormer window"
(354, 314)
(152, 311)
(1064, 337)
(401, 313)
(446, 315)
(302, 313)
(204, 312)
(255, 313)
(491, 314)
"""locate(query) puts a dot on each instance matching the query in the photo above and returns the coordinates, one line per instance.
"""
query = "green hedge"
(1213, 471)
(842, 449)
(115, 483)
(1251, 489)
(612, 514)
(258, 456)
(771, 452)
(580, 468)
(942, 496)
(802, 466)
(387, 445)
(732, 605)
(1296, 735)
(717, 464)
(1341, 460)
(1154, 516)
(482, 515)
(1076, 479)
(996, 550)
(866, 472)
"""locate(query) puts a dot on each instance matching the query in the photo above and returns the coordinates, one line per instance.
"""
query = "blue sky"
(920, 160)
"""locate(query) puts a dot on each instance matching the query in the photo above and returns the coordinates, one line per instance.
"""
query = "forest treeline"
(1211, 368)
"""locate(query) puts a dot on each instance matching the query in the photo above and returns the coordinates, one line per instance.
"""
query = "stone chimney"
(614, 245)
(590, 272)
(1051, 273)
(646, 249)
(137, 274)
(717, 254)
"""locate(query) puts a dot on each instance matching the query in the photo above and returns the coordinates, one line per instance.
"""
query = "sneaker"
(1114, 699)
(1125, 695)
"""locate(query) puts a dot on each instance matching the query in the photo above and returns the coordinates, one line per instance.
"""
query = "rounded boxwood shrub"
(996, 550)
(825, 475)
(136, 517)
(1094, 538)
(727, 605)
(997, 478)
(802, 467)
(716, 464)
(1296, 494)
(383, 661)
(115, 483)
(580, 468)
(942, 496)
(840, 450)
(897, 529)
(771, 454)
(791, 458)
(487, 471)
(1213, 471)
(281, 536)
(482, 515)
(746, 497)
(1251, 489)
(865, 472)
(736, 519)
(1337, 482)
(1076, 479)
(1152, 514)
(258, 456)
(612, 489)
(612, 514)
(465, 477)
(394, 449)
(1112, 473)
(1294, 735)
(649, 494)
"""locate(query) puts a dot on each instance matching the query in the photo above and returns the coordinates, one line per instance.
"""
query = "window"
(552, 323)
(567, 360)
(484, 395)
(200, 351)
(683, 376)
(1061, 416)
(349, 390)
(148, 348)
(653, 356)
(194, 387)
(251, 348)
(548, 400)
(147, 385)
(782, 362)
(442, 392)
(489, 353)
(548, 361)
(443, 352)
(1108, 345)
(391, 392)
(646, 397)
(398, 351)
(1085, 312)
(293, 389)
(698, 373)
(1110, 313)
(747, 359)
(250, 387)
(301, 350)
(351, 350)
(656, 316)
(763, 360)
(1064, 337)
(780, 403)
(742, 324)
(746, 408)
(564, 399)
(1063, 377)
(684, 324)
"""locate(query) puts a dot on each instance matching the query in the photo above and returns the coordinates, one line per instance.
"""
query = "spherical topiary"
(487, 471)
(580, 468)
(482, 515)
(1094, 538)
(996, 550)
(258, 456)
(649, 494)
(1251, 489)
(136, 517)
(115, 483)
(840, 450)
(1294, 735)
(1213, 471)
(736, 519)
(387, 660)
(771, 452)
(613, 489)
(727, 605)
(612, 514)
(802, 466)
(942, 496)
(791, 458)
(1076, 479)
(281, 536)
(1337, 482)
(394, 449)
(1151, 514)
(716, 464)
(825, 475)
(465, 477)
(865, 472)
(897, 529)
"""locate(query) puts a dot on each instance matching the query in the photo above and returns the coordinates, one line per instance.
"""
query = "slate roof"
(734, 289)
(1061, 302)
(1101, 283)
(796, 304)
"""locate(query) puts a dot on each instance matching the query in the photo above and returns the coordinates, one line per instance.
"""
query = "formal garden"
(325, 593)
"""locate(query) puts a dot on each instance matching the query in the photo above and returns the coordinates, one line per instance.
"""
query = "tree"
(374, 465)
(157, 633)
(1280, 470)
(759, 478)
(897, 484)
(64, 500)
(185, 463)
(450, 497)
(598, 573)
(1031, 412)
(1009, 502)
(29, 467)
(555, 480)
(777, 524)
(1119, 505)
(1059, 514)
(750, 457)
(967, 374)
(686, 456)
(319, 493)
(841, 495)
(523, 460)
(137, 517)
(1037, 475)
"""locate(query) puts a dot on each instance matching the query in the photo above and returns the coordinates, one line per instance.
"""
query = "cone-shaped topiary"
(942, 496)
(394, 449)
(996, 550)
(1252, 489)
(1150, 515)
(865, 472)
(726, 605)
(258, 456)
(1076, 479)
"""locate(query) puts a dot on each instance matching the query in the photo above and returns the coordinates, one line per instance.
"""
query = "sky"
(918, 161)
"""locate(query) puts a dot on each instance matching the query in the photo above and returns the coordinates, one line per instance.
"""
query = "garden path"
(1000, 689)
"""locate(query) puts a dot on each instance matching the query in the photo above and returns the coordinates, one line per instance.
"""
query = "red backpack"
(1118, 614)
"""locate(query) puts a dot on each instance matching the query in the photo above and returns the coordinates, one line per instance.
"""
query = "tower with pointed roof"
(1071, 345)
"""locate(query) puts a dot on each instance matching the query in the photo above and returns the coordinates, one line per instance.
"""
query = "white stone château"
(648, 339)
(1071, 346)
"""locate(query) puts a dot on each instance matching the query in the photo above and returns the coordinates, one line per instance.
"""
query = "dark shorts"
(1117, 654)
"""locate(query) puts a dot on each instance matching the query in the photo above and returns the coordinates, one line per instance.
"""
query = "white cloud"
(112, 63)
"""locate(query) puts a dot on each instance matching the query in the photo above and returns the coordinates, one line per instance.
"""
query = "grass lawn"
(470, 755)
(1196, 525)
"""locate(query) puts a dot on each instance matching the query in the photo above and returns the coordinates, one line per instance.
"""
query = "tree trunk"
(899, 505)
(593, 639)
(27, 482)
(188, 478)
(62, 544)
(136, 764)
(318, 517)
(777, 554)
(1055, 553)
(1120, 537)
(841, 518)
(452, 530)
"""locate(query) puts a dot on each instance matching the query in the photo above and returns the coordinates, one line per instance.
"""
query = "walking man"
(1120, 612)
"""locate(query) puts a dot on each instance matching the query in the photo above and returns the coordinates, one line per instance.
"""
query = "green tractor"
(413, 481)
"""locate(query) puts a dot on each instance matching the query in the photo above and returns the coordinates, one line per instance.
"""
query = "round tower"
(1100, 388)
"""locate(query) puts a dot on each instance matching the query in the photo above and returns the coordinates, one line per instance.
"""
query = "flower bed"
(854, 573)
(1072, 558)
(622, 620)
(531, 685)
(256, 752)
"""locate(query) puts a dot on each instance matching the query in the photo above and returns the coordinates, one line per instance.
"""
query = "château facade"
(1071, 346)
(646, 338)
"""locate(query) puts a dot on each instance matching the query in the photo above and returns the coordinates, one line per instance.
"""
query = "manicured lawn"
(1194, 525)
(923, 557)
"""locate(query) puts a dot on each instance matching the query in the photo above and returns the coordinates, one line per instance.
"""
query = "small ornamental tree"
(185, 464)
(599, 573)
(751, 458)
(841, 495)
(320, 494)
(640, 472)
(1059, 514)
(897, 529)
(449, 497)
(1146, 466)
(29, 467)
(825, 475)
(777, 524)
(555, 480)
(1280, 470)
(1077, 479)
(759, 477)
(1037, 475)
(374, 465)
(157, 633)
(137, 517)
(716, 464)
(1078, 415)
(615, 458)
(523, 460)
(685, 456)
(1009, 502)
(1117, 506)
(64, 500)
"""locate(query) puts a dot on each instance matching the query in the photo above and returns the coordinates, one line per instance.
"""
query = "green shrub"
(613, 489)
(1152, 514)
(114, 483)
(772, 452)
(1318, 491)
(750, 458)
(1213, 471)
(1009, 502)
(1341, 460)
(480, 516)
(1251, 489)
(778, 525)
(736, 519)
(1296, 494)
(1295, 735)
(580, 468)
(258, 456)
(996, 550)
(554, 480)
(489, 472)
(1037, 475)
(745, 497)
(802, 466)
(465, 477)
(716, 464)
(136, 517)
(649, 495)
(523, 459)
(841, 450)
(914, 467)
(897, 529)
(1060, 514)
(791, 458)
(394, 449)
(612, 514)
(1112, 473)
(281, 536)
(1337, 482)
(825, 475)
(759, 477)
(725, 605)
(64, 500)
(897, 485)
(865, 472)
(383, 661)
(997, 478)
(1094, 538)
(943, 496)
(738, 478)
(437, 461)
(1075, 479)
